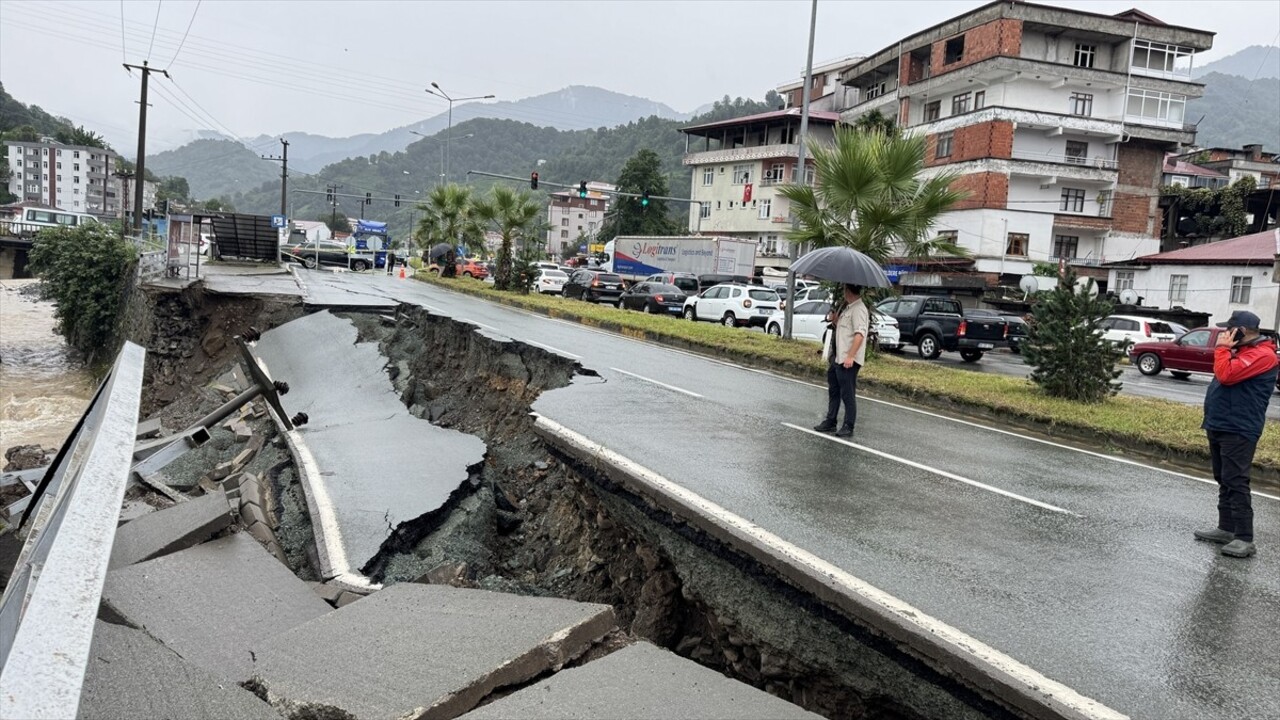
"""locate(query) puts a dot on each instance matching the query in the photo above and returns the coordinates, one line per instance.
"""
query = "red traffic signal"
(533, 181)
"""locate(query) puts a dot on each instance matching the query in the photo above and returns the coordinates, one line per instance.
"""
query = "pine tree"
(1066, 348)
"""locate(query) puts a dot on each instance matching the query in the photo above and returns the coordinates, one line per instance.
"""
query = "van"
(687, 282)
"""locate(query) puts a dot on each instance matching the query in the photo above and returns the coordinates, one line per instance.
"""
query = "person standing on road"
(852, 325)
(1245, 368)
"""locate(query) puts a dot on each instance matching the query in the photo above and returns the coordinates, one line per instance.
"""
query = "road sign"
(279, 221)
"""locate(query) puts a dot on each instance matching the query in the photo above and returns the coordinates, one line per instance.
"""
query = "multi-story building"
(1181, 173)
(1056, 121)
(573, 221)
(828, 93)
(737, 171)
(1250, 161)
(67, 177)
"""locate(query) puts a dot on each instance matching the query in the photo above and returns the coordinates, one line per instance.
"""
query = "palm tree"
(449, 215)
(513, 215)
(868, 196)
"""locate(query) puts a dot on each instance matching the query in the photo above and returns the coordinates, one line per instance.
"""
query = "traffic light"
(368, 198)
(397, 201)
(533, 181)
(582, 189)
(644, 199)
(328, 195)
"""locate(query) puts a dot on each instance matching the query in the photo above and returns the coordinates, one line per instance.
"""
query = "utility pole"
(801, 171)
(140, 185)
(333, 201)
(284, 174)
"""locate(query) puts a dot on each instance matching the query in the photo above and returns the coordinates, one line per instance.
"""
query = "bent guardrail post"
(48, 610)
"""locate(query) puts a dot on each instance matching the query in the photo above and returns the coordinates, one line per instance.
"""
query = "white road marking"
(552, 349)
(690, 393)
(1053, 694)
(935, 471)
(1009, 433)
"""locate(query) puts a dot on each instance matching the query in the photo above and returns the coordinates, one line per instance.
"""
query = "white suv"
(1124, 331)
(733, 304)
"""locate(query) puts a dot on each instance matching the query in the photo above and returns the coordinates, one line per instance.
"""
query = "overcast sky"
(275, 66)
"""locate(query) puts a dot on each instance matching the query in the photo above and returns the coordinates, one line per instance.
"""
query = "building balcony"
(1099, 223)
(880, 102)
(742, 154)
(1074, 160)
(1053, 173)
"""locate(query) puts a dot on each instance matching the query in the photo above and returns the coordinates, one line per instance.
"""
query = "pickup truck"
(934, 324)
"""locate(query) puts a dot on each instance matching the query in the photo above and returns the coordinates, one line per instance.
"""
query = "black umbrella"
(842, 265)
(439, 251)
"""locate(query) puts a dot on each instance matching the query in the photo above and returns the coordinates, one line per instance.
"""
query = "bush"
(87, 271)
(1066, 348)
(415, 262)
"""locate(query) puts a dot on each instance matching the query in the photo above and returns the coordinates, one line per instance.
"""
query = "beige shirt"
(854, 320)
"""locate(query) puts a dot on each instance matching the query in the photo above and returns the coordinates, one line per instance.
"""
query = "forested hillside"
(215, 168)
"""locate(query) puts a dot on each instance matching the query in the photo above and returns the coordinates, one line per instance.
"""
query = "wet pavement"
(1077, 564)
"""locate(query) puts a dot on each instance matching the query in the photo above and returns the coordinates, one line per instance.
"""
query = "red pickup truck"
(1191, 353)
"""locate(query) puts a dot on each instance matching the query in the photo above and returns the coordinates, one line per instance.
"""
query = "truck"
(933, 324)
(371, 241)
(636, 258)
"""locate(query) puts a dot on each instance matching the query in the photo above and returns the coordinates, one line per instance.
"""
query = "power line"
(185, 34)
(154, 26)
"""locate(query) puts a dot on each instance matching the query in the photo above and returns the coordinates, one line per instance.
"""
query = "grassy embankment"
(1161, 428)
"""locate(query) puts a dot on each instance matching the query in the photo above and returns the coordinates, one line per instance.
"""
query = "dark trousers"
(842, 386)
(1231, 456)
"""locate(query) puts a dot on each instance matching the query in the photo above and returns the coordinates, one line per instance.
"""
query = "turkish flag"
(746, 194)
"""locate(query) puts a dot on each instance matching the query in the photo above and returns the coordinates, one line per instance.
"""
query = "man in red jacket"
(1235, 411)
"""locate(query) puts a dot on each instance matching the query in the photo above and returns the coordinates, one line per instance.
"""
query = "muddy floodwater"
(43, 387)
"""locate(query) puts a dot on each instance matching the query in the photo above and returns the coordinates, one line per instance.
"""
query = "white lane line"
(790, 560)
(690, 393)
(935, 471)
(552, 349)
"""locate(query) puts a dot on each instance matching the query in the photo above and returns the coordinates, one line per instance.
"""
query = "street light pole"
(800, 168)
(443, 143)
(444, 150)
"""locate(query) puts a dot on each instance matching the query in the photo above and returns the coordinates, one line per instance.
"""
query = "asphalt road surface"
(1077, 564)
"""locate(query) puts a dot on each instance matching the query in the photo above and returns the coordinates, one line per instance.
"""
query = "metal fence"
(48, 611)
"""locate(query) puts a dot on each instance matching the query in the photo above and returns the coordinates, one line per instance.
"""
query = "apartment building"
(738, 165)
(828, 93)
(1249, 161)
(68, 177)
(573, 221)
(1056, 120)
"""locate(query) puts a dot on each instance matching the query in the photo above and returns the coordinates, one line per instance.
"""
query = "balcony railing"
(1079, 160)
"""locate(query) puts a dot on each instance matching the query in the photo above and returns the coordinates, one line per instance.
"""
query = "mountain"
(214, 168)
(1253, 62)
(14, 114)
(576, 107)
(1237, 112)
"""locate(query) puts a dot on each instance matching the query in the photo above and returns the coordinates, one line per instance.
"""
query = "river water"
(43, 387)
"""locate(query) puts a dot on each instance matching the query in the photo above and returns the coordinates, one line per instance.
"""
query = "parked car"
(1124, 331)
(687, 282)
(934, 324)
(808, 322)
(733, 304)
(331, 252)
(885, 332)
(1191, 353)
(550, 282)
(810, 292)
(594, 286)
(713, 279)
(1018, 328)
(653, 297)
(473, 269)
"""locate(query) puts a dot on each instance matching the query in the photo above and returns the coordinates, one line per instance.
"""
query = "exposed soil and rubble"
(530, 522)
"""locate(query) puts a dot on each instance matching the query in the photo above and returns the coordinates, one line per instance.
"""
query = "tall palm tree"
(868, 196)
(514, 216)
(449, 215)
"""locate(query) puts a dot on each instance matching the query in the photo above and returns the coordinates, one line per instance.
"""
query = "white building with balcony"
(1056, 122)
(74, 178)
(828, 94)
(738, 165)
(573, 221)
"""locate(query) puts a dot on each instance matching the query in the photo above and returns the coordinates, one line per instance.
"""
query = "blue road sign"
(582, 248)
(279, 221)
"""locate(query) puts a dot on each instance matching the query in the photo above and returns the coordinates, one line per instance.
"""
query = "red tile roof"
(814, 116)
(1174, 166)
(1257, 249)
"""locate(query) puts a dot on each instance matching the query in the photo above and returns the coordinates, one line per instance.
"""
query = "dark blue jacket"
(1241, 407)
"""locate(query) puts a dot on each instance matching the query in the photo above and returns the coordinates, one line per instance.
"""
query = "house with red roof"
(1217, 278)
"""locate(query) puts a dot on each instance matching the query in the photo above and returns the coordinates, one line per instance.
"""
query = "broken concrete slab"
(149, 429)
(130, 675)
(640, 681)
(165, 531)
(213, 602)
(439, 651)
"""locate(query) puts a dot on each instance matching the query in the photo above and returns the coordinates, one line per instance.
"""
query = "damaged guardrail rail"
(49, 607)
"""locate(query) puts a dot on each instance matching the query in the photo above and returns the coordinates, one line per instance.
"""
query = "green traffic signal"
(644, 199)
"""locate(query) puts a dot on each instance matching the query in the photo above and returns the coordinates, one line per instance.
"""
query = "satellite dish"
(1087, 286)
(1129, 296)
(1029, 284)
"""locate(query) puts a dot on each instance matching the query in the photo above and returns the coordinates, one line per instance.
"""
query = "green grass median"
(1152, 427)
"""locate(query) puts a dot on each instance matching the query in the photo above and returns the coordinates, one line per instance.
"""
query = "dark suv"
(594, 286)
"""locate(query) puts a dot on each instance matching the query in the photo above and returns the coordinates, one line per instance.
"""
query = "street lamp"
(441, 93)
(443, 141)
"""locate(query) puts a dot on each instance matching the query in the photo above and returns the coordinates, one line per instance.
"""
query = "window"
(953, 52)
(1017, 245)
(769, 245)
(592, 203)
(564, 222)
(1152, 58)
(1085, 55)
(579, 216)
(1072, 200)
(76, 167)
(1177, 288)
(944, 145)
(564, 233)
(591, 227)
(1082, 104)
(59, 153)
(1197, 338)
(764, 206)
(59, 166)
(979, 99)
(77, 179)
(1065, 246)
(708, 176)
(1240, 287)
(808, 175)
(777, 173)
(1077, 152)
(960, 103)
(1104, 203)
(704, 210)
(1154, 105)
(741, 174)
(1124, 280)
(59, 178)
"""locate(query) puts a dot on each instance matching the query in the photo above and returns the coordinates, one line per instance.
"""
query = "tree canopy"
(642, 173)
(1070, 357)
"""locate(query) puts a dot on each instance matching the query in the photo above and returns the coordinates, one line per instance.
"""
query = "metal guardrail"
(48, 611)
